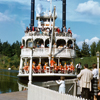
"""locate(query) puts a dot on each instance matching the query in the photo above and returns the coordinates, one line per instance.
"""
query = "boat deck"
(46, 76)
(22, 95)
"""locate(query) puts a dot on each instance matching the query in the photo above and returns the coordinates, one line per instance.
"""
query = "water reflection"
(8, 81)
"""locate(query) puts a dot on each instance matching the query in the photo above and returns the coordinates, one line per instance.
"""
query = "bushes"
(86, 60)
(12, 62)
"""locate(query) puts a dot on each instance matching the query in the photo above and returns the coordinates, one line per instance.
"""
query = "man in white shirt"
(78, 67)
(85, 77)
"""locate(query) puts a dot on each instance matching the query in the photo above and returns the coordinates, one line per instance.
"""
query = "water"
(8, 81)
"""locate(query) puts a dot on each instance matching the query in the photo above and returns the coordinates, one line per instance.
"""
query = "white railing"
(40, 93)
(44, 52)
(26, 52)
(46, 33)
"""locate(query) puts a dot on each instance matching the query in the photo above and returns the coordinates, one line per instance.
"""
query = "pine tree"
(98, 46)
(93, 49)
(0, 47)
(78, 52)
(85, 50)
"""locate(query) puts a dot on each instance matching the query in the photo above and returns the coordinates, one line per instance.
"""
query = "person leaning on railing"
(61, 83)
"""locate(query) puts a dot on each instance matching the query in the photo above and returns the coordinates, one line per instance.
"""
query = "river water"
(8, 81)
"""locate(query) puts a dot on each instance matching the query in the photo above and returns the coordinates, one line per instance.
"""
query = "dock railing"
(40, 93)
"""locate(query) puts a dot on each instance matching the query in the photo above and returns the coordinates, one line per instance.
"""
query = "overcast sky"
(83, 17)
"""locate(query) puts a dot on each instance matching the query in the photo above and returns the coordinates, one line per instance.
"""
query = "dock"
(20, 95)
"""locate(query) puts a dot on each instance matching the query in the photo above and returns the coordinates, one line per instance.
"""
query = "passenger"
(39, 68)
(69, 32)
(33, 28)
(85, 77)
(42, 27)
(21, 46)
(42, 46)
(55, 68)
(72, 67)
(40, 31)
(26, 68)
(78, 67)
(60, 68)
(64, 45)
(37, 45)
(65, 68)
(30, 28)
(54, 45)
(94, 80)
(52, 62)
(64, 29)
(47, 29)
(27, 30)
(69, 68)
(48, 45)
(44, 67)
(33, 67)
(58, 30)
(62, 85)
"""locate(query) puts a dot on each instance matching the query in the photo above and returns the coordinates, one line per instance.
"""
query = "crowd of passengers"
(53, 68)
(38, 45)
(41, 30)
(70, 46)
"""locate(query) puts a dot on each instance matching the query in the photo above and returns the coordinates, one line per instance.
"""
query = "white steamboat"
(41, 44)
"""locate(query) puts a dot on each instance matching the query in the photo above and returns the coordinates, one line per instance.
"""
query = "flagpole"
(50, 12)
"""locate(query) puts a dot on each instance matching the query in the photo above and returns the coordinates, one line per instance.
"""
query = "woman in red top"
(52, 62)
(44, 67)
(55, 68)
(39, 67)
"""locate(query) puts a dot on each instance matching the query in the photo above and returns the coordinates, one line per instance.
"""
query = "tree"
(85, 50)
(93, 49)
(98, 46)
(78, 52)
(0, 47)
(6, 49)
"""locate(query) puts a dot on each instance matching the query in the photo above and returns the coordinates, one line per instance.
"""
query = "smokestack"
(32, 12)
(63, 13)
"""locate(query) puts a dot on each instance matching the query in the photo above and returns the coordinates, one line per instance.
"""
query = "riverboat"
(46, 51)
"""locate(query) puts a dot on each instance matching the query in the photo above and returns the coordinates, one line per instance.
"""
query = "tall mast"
(32, 12)
(52, 34)
(50, 12)
(64, 13)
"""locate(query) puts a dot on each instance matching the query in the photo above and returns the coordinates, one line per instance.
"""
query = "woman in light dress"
(62, 85)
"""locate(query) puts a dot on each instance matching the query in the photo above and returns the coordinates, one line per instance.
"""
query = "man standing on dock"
(78, 67)
(85, 77)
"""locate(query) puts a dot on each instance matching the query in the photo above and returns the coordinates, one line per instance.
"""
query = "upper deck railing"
(45, 33)
(44, 52)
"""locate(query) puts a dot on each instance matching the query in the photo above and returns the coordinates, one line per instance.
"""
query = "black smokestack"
(64, 13)
(32, 12)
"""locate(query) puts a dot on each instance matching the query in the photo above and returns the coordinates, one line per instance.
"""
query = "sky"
(82, 16)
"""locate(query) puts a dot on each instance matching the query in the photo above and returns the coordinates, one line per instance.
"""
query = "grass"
(87, 60)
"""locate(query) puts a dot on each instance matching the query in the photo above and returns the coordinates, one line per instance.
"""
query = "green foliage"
(93, 49)
(98, 46)
(78, 52)
(6, 62)
(9, 54)
(87, 60)
(85, 50)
